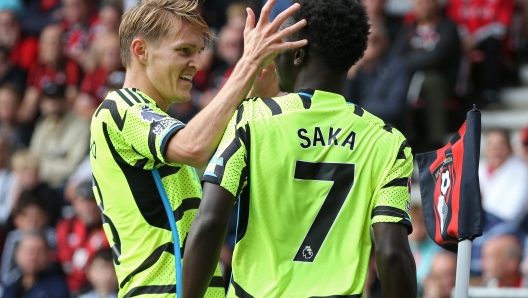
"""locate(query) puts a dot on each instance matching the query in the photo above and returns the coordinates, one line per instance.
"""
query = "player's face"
(173, 61)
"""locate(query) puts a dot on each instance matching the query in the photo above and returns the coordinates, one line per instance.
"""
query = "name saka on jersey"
(332, 139)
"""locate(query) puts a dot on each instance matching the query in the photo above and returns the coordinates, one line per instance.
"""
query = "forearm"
(397, 273)
(202, 252)
(197, 142)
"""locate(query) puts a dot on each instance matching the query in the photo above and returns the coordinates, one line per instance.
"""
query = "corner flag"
(450, 189)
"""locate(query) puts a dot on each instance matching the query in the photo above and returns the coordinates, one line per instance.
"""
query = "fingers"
(291, 45)
(265, 13)
(292, 29)
(283, 16)
(250, 21)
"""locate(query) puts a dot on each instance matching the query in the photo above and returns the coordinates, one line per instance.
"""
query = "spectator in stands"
(230, 48)
(102, 276)
(483, 26)
(52, 69)
(22, 49)
(26, 178)
(39, 14)
(18, 134)
(6, 180)
(60, 139)
(10, 74)
(29, 214)
(38, 279)
(108, 20)
(441, 280)
(95, 85)
(503, 178)
(376, 11)
(379, 82)
(14, 5)
(430, 47)
(501, 258)
(236, 14)
(76, 25)
(524, 142)
(423, 248)
(80, 237)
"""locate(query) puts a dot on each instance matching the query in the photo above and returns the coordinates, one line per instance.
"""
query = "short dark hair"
(104, 254)
(337, 31)
(26, 199)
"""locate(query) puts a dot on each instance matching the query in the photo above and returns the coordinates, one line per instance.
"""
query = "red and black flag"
(449, 186)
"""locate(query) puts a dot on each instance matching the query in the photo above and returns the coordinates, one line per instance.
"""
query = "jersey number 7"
(342, 176)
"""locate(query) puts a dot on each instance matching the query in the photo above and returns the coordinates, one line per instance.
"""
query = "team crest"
(307, 252)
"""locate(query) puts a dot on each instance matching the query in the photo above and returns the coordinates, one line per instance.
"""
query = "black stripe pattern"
(273, 106)
(151, 260)
(401, 151)
(143, 290)
(239, 291)
(397, 182)
(389, 211)
(112, 107)
(124, 98)
(358, 111)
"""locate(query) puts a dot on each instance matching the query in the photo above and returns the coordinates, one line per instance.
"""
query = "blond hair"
(153, 19)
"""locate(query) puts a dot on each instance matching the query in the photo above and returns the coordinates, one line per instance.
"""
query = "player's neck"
(138, 79)
(324, 80)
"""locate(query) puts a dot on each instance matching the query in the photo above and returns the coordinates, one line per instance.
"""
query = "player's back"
(320, 173)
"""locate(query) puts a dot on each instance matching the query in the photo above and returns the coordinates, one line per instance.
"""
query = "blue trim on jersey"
(210, 174)
(174, 230)
(234, 246)
(407, 219)
(167, 132)
(305, 94)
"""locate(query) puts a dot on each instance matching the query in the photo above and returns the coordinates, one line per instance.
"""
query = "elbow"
(198, 158)
(193, 155)
(394, 257)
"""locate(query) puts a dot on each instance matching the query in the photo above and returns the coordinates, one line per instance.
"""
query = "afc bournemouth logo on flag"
(444, 177)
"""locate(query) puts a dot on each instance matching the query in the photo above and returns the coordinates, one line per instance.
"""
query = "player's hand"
(266, 84)
(264, 41)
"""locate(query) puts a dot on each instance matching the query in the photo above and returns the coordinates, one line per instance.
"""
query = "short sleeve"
(148, 130)
(229, 165)
(392, 201)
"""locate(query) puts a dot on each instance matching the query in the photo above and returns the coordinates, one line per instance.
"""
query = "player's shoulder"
(128, 103)
(376, 125)
(259, 108)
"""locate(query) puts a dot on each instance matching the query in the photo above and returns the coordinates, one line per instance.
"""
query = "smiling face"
(172, 62)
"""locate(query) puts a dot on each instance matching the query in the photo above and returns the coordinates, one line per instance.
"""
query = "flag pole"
(462, 270)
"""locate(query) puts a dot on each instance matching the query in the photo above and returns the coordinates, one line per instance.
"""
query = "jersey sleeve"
(392, 201)
(148, 130)
(229, 165)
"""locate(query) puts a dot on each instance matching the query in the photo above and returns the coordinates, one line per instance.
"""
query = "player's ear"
(298, 56)
(139, 50)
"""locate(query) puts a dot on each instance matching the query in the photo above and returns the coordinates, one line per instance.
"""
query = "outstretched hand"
(264, 41)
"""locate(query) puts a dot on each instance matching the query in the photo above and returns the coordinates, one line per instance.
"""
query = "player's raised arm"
(195, 144)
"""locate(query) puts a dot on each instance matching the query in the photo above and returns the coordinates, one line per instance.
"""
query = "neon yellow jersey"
(312, 174)
(147, 204)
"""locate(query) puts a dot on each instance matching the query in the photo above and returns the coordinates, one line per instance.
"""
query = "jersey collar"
(143, 95)
(318, 96)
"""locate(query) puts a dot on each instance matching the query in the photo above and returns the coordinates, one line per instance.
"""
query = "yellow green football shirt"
(147, 203)
(312, 173)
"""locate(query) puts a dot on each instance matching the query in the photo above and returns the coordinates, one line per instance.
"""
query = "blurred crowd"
(427, 62)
